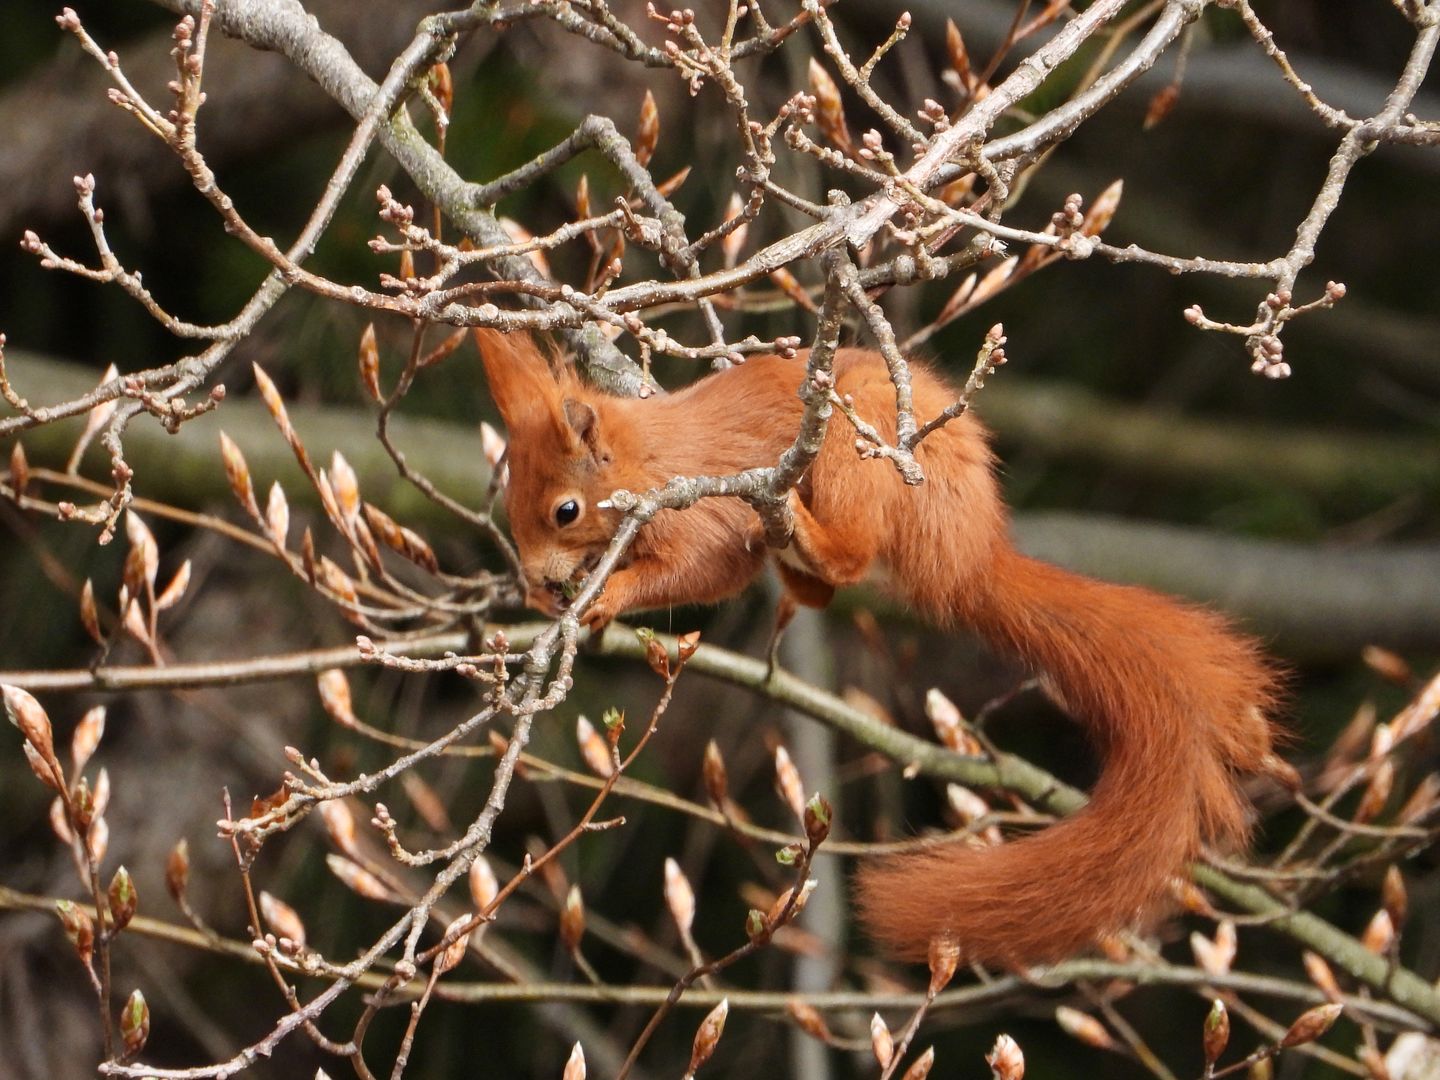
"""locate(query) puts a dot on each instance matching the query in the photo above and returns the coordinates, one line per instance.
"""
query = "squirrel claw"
(597, 617)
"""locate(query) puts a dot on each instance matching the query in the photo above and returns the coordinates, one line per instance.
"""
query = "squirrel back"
(1174, 699)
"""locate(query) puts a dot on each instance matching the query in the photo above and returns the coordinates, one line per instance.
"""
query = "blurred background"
(1134, 447)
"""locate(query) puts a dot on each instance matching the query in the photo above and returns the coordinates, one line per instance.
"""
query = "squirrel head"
(559, 461)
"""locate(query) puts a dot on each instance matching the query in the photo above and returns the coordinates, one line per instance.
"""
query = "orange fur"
(1173, 697)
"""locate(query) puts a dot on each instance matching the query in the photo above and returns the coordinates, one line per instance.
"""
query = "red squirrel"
(1175, 699)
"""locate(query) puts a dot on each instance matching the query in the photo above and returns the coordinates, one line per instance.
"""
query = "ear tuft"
(519, 375)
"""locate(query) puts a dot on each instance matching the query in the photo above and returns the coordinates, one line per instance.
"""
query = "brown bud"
(788, 783)
(1005, 1060)
(442, 85)
(1421, 800)
(427, 802)
(340, 826)
(19, 470)
(334, 689)
(1084, 1027)
(593, 748)
(882, 1043)
(679, 896)
(275, 405)
(949, 723)
(920, 1068)
(1320, 974)
(345, 485)
(95, 419)
(647, 132)
(1281, 771)
(946, 719)
(79, 928)
(122, 899)
(829, 109)
(1382, 739)
(944, 957)
(582, 201)
(143, 549)
(817, 817)
(1102, 210)
(1379, 934)
(1377, 792)
(175, 591)
(655, 654)
(308, 559)
(1193, 899)
(453, 953)
(452, 341)
(575, 1064)
(1312, 1024)
(1387, 665)
(492, 445)
(572, 919)
(59, 820)
(277, 516)
(1349, 744)
(809, 1019)
(359, 880)
(1424, 708)
(970, 808)
(283, 919)
(132, 618)
(783, 900)
(994, 280)
(41, 768)
(484, 887)
(97, 840)
(177, 870)
(82, 804)
(134, 1023)
(29, 717)
(787, 283)
(708, 1034)
(686, 645)
(734, 241)
(713, 769)
(339, 583)
(959, 300)
(1160, 105)
(672, 185)
(959, 55)
(238, 473)
(755, 925)
(1393, 896)
(89, 616)
(1217, 1032)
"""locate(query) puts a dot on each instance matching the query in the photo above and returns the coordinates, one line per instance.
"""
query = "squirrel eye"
(567, 512)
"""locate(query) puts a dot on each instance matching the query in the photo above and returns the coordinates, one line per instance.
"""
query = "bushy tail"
(1175, 701)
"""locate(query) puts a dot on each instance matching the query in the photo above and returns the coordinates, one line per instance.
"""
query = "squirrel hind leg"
(835, 551)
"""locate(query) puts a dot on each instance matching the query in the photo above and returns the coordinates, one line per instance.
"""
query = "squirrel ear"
(519, 376)
(585, 423)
